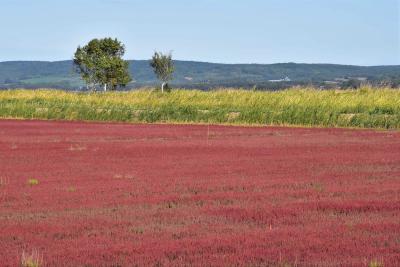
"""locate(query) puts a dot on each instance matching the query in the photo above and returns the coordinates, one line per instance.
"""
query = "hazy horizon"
(219, 63)
(346, 32)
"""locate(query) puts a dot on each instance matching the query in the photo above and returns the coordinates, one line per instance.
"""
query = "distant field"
(366, 107)
(97, 194)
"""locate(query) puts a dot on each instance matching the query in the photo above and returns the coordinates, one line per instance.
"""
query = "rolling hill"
(60, 74)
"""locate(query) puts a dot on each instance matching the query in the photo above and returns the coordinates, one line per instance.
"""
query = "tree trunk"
(105, 87)
(162, 87)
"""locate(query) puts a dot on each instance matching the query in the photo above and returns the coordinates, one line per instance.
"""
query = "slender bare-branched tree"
(163, 67)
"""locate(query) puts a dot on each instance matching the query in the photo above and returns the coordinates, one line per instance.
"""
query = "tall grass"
(31, 260)
(367, 107)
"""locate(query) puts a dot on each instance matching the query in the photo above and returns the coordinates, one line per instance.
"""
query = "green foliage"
(100, 63)
(352, 84)
(163, 67)
(366, 107)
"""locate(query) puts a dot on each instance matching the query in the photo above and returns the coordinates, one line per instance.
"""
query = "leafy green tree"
(100, 63)
(163, 67)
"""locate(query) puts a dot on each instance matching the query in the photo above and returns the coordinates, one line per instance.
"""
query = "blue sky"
(360, 32)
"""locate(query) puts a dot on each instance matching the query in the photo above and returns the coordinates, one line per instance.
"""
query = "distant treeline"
(199, 75)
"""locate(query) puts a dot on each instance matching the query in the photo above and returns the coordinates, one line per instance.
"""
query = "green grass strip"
(366, 108)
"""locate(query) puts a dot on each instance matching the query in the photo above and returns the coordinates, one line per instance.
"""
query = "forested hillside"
(60, 74)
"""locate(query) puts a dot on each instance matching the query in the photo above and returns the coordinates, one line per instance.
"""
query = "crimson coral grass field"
(162, 195)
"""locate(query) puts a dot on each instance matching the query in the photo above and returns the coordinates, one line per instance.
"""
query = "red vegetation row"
(161, 195)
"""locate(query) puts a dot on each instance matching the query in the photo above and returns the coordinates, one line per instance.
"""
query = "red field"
(162, 195)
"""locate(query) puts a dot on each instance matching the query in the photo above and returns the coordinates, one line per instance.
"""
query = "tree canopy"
(163, 67)
(100, 63)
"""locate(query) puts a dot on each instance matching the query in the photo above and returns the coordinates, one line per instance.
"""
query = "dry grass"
(367, 107)
(77, 147)
(4, 181)
(33, 259)
(33, 182)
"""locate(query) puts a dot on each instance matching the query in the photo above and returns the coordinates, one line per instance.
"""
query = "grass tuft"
(4, 181)
(375, 263)
(34, 259)
(33, 182)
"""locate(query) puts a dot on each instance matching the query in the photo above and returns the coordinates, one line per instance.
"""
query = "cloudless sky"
(359, 32)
